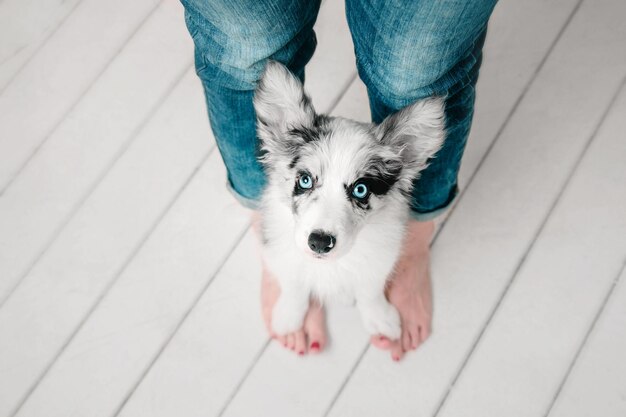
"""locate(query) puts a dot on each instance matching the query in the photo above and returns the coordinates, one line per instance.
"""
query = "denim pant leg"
(233, 39)
(407, 50)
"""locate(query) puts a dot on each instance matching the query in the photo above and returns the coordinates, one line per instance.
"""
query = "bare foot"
(312, 337)
(410, 291)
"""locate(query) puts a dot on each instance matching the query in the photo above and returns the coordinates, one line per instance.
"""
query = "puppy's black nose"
(321, 242)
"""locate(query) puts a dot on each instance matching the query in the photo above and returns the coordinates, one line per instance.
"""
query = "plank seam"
(75, 104)
(588, 334)
(346, 380)
(248, 371)
(115, 278)
(342, 91)
(528, 250)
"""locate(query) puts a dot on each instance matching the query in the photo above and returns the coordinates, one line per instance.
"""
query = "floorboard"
(116, 344)
(53, 82)
(99, 241)
(25, 25)
(572, 265)
(597, 383)
(78, 154)
(226, 347)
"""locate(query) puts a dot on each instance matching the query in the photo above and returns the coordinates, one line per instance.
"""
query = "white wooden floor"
(128, 275)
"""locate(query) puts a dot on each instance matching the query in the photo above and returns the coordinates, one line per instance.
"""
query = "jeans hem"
(247, 202)
(430, 215)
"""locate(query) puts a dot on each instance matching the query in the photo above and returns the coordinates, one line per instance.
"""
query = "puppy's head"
(335, 173)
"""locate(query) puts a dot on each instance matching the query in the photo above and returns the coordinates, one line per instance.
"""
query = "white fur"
(368, 241)
(359, 274)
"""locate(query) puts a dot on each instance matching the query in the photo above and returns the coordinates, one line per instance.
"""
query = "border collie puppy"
(334, 211)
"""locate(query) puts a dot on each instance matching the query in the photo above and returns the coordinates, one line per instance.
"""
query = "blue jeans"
(405, 50)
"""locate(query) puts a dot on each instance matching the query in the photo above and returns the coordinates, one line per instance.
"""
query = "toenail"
(301, 353)
(395, 358)
(315, 345)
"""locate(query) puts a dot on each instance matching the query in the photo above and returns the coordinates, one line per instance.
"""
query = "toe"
(270, 292)
(282, 340)
(425, 331)
(397, 352)
(300, 342)
(381, 342)
(415, 338)
(291, 341)
(315, 347)
(406, 339)
(315, 328)
(317, 342)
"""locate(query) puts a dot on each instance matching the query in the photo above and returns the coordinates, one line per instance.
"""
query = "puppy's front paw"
(286, 317)
(382, 320)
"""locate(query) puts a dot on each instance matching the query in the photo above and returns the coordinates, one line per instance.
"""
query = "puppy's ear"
(415, 133)
(281, 106)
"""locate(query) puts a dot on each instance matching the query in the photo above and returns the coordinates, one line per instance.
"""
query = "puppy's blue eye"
(305, 181)
(360, 190)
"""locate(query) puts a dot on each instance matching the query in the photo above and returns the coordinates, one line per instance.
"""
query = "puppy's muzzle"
(321, 242)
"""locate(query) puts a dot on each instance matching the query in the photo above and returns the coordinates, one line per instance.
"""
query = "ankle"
(255, 221)
(419, 236)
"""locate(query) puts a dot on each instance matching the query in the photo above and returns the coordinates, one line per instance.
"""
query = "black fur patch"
(381, 174)
(294, 161)
(321, 122)
(305, 101)
(308, 135)
(379, 177)
(379, 185)
(299, 191)
(320, 128)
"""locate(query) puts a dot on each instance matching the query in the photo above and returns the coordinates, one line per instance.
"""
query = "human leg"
(233, 40)
(406, 51)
